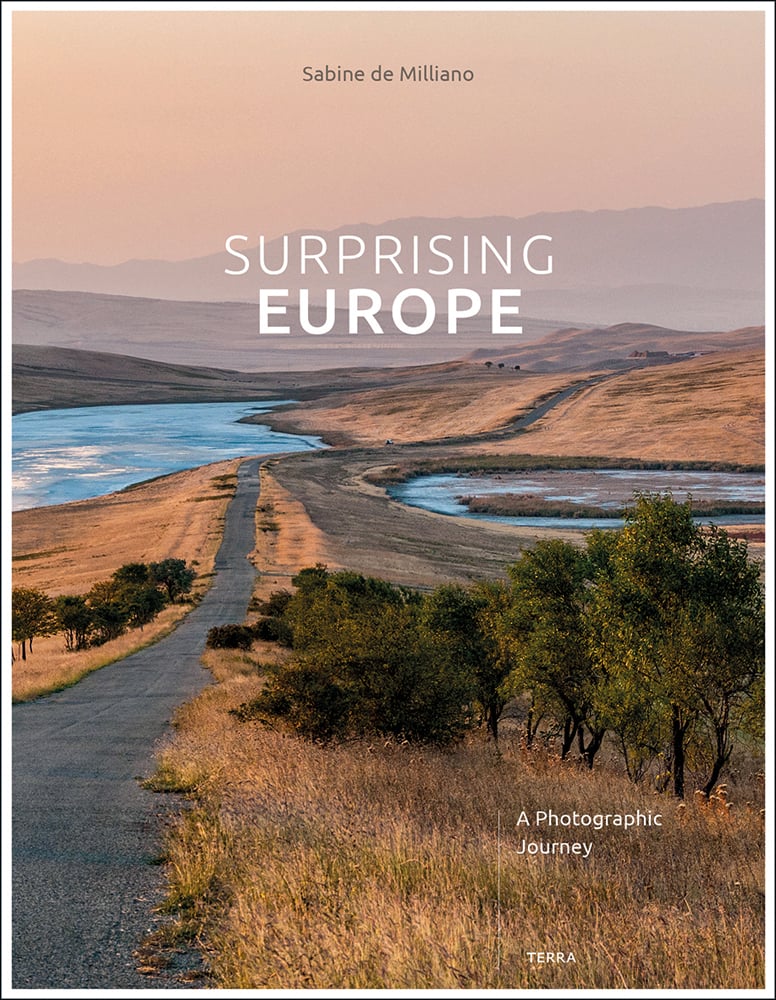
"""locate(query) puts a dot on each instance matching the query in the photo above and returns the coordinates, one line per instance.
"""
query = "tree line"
(649, 639)
(132, 597)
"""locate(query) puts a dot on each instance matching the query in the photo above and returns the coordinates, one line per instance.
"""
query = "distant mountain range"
(224, 335)
(689, 268)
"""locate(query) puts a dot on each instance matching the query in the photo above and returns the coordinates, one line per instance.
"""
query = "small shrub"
(276, 603)
(231, 636)
(273, 630)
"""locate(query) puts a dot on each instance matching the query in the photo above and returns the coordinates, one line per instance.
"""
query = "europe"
(366, 304)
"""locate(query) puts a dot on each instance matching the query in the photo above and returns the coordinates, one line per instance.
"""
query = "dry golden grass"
(707, 408)
(283, 528)
(377, 866)
(362, 866)
(286, 538)
(68, 548)
(461, 401)
(51, 667)
(710, 407)
(358, 866)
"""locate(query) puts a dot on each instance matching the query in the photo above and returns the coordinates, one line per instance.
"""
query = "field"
(382, 865)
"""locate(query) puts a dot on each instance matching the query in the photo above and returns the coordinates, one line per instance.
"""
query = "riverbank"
(517, 505)
(339, 515)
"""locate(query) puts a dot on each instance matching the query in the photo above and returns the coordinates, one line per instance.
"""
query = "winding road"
(84, 831)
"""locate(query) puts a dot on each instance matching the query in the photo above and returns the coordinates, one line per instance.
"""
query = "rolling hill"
(613, 347)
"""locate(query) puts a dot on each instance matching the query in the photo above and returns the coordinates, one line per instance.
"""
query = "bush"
(275, 605)
(311, 700)
(273, 630)
(230, 636)
(364, 664)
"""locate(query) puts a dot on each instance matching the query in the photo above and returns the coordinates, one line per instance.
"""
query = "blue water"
(65, 455)
(601, 487)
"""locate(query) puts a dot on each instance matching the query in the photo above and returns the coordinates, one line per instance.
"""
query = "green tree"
(494, 669)
(110, 614)
(545, 630)
(32, 614)
(459, 623)
(677, 627)
(363, 665)
(638, 628)
(75, 620)
(138, 592)
(173, 576)
(725, 669)
(132, 574)
(322, 600)
(142, 603)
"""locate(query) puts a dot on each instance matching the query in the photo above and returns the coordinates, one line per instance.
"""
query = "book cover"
(388, 512)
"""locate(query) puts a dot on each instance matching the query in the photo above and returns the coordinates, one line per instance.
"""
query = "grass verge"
(148, 522)
(52, 668)
(380, 865)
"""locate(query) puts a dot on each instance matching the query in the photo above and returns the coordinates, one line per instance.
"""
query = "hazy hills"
(56, 377)
(694, 268)
(225, 334)
(610, 347)
(45, 377)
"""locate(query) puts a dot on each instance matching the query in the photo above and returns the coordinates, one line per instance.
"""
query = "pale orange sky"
(159, 134)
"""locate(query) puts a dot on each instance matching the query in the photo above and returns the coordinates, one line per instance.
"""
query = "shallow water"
(600, 487)
(65, 455)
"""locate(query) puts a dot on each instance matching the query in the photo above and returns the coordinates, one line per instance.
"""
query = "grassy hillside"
(704, 408)
(47, 378)
(614, 346)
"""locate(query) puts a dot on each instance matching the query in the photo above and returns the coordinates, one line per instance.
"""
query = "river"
(64, 455)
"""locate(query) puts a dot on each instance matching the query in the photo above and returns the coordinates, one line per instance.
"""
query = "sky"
(158, 134)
